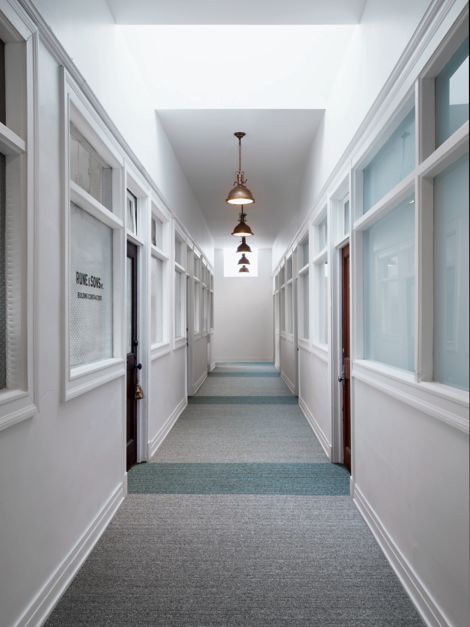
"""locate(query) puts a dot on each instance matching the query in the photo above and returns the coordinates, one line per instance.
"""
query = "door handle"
(139, 367)
(340, 379)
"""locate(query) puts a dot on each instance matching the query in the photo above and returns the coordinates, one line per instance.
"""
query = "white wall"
(366, 67)
(99, 49)
(243, 313)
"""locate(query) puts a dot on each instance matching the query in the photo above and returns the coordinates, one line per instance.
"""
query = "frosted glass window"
(131, 213)
(389, 288)
(452, 95)
(156, 297)
(157, 232)
(91, 289)
(451, 275)
(197, 307)
(346, 225)
(322, 302)
(282, 309)
(322, 235)
(178, 304)
(3, 295)
(391, 163)
(305, 306)
(179, 251)
(282, 275)
(303, 253)
(289, 324)
(89, 170)
(289, 269)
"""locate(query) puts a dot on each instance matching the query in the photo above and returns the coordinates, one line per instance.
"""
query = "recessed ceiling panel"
(240, 12)
(274, 155)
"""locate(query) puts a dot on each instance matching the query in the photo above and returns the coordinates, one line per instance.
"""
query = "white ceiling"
(273, 152)
(237, 12)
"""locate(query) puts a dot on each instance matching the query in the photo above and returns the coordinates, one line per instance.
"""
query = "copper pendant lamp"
(243, 269)
(240, 194)
(243, 261)
(242, 229)
(243, 247)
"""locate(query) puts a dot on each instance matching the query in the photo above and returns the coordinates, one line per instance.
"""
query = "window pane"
(197, 307)
(131, 213)
(304, 253)
(391, 164)
(452, 95)
(178, 251)
(178, 304)
(289, 325)
(89, 170)
(389, 288)
(3, 295)
(91, 288)
(305, 307)
(322, 303)
(346, 218)
(451, 275)
(157, 300)
(322, 235)
(283, 309)
(157, 232)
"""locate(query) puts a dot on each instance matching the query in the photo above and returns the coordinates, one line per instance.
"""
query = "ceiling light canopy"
(243, 247)
(240, 194)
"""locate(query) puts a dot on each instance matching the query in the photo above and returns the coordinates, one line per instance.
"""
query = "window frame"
(18, 143)
(81, 379)
(180, 268)
(159, 349)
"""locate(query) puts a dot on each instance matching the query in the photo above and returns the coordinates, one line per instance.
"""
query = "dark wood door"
(132, 354)
(346, 361)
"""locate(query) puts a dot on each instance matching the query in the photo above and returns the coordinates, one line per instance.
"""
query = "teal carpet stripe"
(243, 400)
(244, 363)
(281, 479)
(258, 373)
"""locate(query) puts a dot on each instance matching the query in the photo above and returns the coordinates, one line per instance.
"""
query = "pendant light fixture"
(240, 194)
(243, 247)
(243, 261)
(243, 269)
(242, 229)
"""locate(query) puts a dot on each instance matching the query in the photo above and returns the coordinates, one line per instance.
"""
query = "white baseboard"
(317, 430)
(48, 596)
(155, 443)
(212, 366)
(199, 382)
(417, 591)
(288, 382)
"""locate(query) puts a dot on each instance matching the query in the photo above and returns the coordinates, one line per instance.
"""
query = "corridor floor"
(239, 520)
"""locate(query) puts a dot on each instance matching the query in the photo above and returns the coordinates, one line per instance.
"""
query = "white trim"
(381, 382)
(414, 586)
(14, 417)
(44, 602)
(199, 382)
(85, 382)
(160, 350)
(157, 440)
(315, 426)
(10, 142)
(288, 382)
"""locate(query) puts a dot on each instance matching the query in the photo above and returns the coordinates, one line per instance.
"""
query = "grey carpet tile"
(236, 561)
(241, 433)
(241, 386)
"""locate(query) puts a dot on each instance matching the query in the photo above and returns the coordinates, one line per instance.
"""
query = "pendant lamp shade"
(243, 247)
(242, 229)
(243, 269)
(243, 261)
(240, 194)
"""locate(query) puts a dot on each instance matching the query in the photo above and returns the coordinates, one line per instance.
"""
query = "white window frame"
(81, 379)
(18, 143)
(159, 349)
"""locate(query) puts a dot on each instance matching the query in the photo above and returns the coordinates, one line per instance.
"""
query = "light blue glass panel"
(389, 288)
(451, 275)
(391, 164)
(452, 95)
(346, 218)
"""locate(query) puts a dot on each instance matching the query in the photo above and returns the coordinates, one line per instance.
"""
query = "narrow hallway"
(239, 519)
